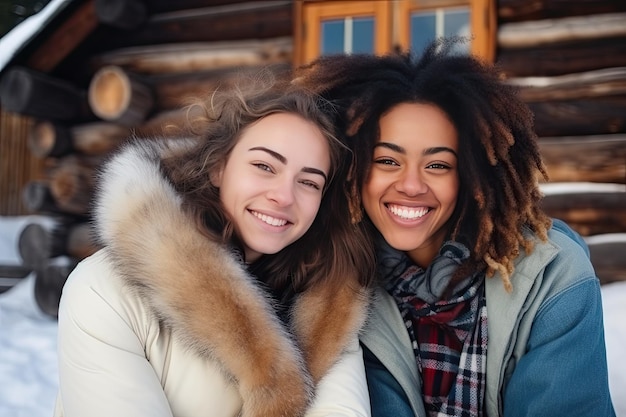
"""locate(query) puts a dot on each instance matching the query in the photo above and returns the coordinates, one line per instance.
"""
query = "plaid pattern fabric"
(449, 336)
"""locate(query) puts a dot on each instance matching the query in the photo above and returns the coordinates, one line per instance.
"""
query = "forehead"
(289, 134)
(417, 124)
(277, 126)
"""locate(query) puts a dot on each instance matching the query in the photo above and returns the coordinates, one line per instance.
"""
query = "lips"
(407, 213)
(272, 221)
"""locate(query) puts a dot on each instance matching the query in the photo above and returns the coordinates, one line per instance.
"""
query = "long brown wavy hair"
(499, 161)
(333, 248)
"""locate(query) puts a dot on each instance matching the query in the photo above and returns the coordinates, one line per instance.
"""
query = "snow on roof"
(18, 37)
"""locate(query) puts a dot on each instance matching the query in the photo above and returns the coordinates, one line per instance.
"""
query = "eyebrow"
(283, 160)
(427, 151)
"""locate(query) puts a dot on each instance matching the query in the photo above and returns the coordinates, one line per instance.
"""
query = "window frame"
(391, 23)
(482, 23)
(310, 14)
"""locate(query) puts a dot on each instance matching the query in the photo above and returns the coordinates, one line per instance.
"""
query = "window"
(379, 26)
(347, 35)
(426, 26)
(327, 27)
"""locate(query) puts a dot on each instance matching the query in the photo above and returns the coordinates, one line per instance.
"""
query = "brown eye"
(385, 161)
(311, 184)
(438, 165)
(263, 166)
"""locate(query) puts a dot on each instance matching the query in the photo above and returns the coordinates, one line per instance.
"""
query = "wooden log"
(14, 271)
(607, 256)
(248, 20)
(198, 57)
(37, 198)
(49, 282)
(72, 183)
(167, 123)
(567, 29)
(49, 139)
(524, 10)
(588, 208)
(585, 158)
(117, 96)
(38, 244)
(36, 94)
(562, 58)
(591, 116)
(169, 91)
(34, 245)
(80, 240)
(175, 91)
(11, 275)
(121, 14)
(163, 6)
(598, 83)
(50, 49)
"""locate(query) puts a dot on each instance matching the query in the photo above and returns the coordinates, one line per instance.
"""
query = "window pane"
(347, 35)
(423, 30)
(332, 36)
(430, 25)
(363, 35)
(456, 23)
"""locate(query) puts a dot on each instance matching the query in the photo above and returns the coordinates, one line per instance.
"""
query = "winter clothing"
(165, 322)
(546, 352)
(448, 334)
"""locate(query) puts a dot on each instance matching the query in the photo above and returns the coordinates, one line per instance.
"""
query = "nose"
(281, 192)
(411, 183)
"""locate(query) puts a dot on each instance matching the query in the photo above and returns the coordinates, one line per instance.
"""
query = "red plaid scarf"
(449, 336)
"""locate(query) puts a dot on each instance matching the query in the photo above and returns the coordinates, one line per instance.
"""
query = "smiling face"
(272, 183)
(412, 187)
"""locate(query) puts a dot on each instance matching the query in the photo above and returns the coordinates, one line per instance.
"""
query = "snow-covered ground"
(28, 367)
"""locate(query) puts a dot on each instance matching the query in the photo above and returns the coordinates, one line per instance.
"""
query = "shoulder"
(556, 267)
(562, 260)
(94, 291)
(572, 262)
(553, 266)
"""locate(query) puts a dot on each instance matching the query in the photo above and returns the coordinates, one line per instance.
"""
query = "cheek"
(371, 189)
(450, 193)
(310, 207)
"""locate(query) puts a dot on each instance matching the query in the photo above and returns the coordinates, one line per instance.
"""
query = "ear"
(215, 176)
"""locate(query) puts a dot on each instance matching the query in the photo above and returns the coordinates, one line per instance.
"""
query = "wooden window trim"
(482, 23)
(309, 14)
(484, 27)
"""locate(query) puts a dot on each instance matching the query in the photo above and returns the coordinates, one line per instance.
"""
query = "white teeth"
(272, 221)
(407, 212)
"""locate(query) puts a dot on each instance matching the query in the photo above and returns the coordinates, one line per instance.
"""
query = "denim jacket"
(546, 353)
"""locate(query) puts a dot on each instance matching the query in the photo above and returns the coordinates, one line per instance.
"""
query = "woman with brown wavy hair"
(232, 281)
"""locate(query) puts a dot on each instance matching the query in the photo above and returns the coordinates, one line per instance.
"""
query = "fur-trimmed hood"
(197, 288)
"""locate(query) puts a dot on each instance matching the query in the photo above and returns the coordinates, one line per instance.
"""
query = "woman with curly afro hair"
(486, 306)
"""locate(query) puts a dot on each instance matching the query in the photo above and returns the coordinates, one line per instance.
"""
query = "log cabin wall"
(105, 68)
(18, 165)
(569, 60)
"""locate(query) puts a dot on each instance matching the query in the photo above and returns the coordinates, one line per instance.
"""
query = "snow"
(558, 188)
(28, 366)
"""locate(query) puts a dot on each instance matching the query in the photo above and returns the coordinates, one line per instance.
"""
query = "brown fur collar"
(197, 288)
